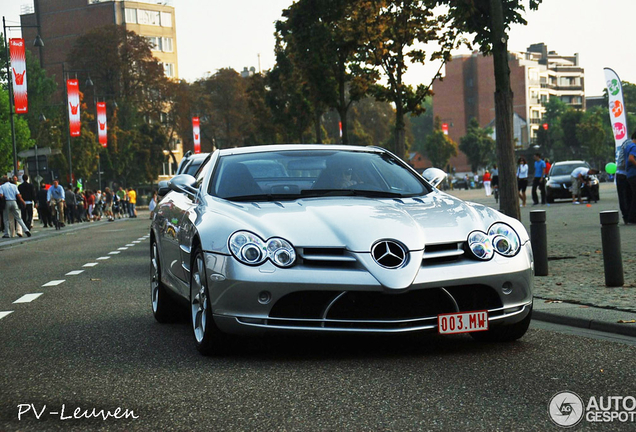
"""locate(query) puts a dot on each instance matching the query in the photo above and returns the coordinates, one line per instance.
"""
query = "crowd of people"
(57, 206)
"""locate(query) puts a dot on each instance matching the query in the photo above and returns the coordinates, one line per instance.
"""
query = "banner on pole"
(72, 89)
(102, 127)
(618, 116)
(18, 75)
(196, 132)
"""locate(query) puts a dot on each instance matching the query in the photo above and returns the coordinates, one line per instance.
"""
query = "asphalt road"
(91, 342)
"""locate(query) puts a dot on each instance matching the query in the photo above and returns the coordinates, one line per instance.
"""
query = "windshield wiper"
(263, 197)
(309, 193)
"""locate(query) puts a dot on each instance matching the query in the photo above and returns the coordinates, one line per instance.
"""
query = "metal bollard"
(611, 241)
(539, 240)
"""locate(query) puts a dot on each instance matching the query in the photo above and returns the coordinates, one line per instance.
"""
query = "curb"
(607, 327)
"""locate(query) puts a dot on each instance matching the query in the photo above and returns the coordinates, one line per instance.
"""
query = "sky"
(215, 34)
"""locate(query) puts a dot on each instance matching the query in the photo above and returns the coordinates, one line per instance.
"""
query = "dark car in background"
(559, 181)
(190, 164)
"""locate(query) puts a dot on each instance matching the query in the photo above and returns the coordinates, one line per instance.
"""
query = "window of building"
(166, 44)
(168, 69)
(166, 19)
(155, 43)
(147, 17)
(131, 16)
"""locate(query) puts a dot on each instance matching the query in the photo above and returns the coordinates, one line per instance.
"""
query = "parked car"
(559, 181)
(334, 239)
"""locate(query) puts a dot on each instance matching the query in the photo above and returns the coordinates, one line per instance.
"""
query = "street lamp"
(38, 42)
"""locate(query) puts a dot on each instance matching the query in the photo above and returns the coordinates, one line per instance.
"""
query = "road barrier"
(611, 241)
(539, 240)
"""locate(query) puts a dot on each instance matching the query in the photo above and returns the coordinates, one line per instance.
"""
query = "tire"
(208, 338)
(505, 333)
(163, 307)
(549, 198)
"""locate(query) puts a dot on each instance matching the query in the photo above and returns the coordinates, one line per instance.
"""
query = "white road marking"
(4, 314)
(54, 282)
(136, 242)
(122, 248)
(113, 253)
(103, 258)
(90, 264)
(27, 298)
(74, 272)
(129, 245)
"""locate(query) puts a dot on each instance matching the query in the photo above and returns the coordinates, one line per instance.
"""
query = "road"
(90, 342)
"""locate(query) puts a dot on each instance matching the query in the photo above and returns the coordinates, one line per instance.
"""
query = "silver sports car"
(317, 238)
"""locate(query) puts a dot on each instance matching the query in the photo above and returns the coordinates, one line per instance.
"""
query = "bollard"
(539, 240)
(611, 241)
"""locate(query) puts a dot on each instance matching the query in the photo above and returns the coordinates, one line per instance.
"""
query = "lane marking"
(27, 298)
(136, 242)
(74, 272)
(90, 264)
(122, 248)
(4, 314)
(103, 258)
(129, 245)
(54, 282)
(113, 253)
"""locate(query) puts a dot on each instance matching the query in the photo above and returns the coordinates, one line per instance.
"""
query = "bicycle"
(57, 208)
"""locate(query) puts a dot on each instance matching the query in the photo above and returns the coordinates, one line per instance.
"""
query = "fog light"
(264, 297)
(506, 288)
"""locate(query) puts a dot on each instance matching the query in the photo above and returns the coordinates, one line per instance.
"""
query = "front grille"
(442, 253)
(327, 258)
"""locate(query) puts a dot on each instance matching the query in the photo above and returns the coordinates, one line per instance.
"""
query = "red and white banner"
(196, 132)
(72, 88)
(102, 127)
(618, 116)
(18, 75)
(445, 128)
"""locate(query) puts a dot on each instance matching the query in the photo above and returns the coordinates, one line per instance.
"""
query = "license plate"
(463, 322)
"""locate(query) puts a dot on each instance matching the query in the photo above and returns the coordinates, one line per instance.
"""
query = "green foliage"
(478, 145)
(22, 134)
(422, 125)
(593, 137)
(438, 147)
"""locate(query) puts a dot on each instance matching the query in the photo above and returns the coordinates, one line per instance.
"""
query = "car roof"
(569, 162)
(287, 147)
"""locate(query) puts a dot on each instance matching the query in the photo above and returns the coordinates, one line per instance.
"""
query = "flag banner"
(102, 127)
(340, 128)
(618, 116)
(18, 75)
(196, 132)
(445, 128)
(72, 88)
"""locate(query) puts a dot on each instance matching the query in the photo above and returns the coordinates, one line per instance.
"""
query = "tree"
(22, 134)
(394, 33)
(488, 21)
(598, 147)
(438, 147)
(478, 145)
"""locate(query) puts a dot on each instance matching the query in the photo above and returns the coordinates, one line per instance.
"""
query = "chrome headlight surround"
(250, 249)
(501, 238)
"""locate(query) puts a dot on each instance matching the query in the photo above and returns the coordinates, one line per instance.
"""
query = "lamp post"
(89, 83)
(38, 43)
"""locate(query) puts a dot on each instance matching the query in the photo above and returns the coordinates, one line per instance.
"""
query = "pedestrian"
(487, 180)
(622, 186)
(90, 202)
(581, 176)
(55, 197)
(522, 179)
(42, 205)
(12, 197)
(108, 204)
(79, 205)
(71, 204)
(132, 202)
(539, 179)
(548, 165)
(630, 169)
(29, 195)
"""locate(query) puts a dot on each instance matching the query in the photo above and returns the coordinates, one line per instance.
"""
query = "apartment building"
(61, 22)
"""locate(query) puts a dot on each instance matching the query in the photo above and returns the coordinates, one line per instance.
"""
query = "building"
(536, 75)
(61, 22)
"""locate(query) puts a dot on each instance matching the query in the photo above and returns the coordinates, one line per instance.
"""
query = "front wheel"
(163, 308)
(208, 338)
(505, 333)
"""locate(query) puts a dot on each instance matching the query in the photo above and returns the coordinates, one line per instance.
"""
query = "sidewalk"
(574, 291)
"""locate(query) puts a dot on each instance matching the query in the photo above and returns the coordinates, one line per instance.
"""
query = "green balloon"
(610, 168)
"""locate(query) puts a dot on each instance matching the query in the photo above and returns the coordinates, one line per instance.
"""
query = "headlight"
(501, 238)
(249, 249)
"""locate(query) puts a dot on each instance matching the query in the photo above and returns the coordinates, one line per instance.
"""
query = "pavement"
(574, 291)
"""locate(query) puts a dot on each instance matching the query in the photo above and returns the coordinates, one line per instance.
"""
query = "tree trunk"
(508, 191)
(400, 134)
(318, 126)
(342, 101)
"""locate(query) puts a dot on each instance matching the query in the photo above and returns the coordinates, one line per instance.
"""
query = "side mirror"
(434, 176)
(183, 183)
(163, 188)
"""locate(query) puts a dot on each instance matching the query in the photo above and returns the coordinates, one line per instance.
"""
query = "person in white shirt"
(12, 196)
(580, 176)
(522, 180)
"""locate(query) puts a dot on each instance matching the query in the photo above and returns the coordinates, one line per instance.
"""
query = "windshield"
(312, 173)
(566, 169)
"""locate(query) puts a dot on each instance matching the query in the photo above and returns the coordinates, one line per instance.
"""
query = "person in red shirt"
(90, 201)
(548, 165)
(486, 181)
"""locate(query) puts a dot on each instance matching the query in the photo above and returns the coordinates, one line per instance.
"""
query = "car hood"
(560, 179)
(355, 223)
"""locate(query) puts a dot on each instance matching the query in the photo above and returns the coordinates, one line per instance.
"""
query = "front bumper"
(253, 300)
